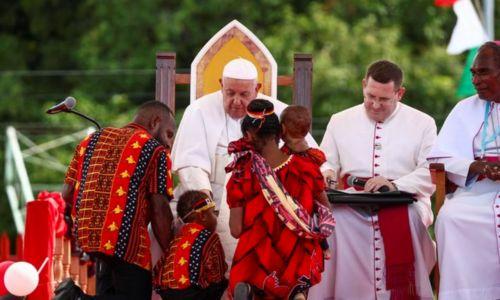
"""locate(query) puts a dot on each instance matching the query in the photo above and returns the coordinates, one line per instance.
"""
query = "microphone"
(359, 182)
(67, 106)
(64, 106)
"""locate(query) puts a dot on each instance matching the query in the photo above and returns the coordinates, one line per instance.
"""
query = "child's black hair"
(187, 200)
(268, 126)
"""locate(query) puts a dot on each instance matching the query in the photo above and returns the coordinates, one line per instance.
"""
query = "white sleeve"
(191, 145)
(452, 146)
(457, 169)
(329, 147)
(193, 178)
(310, 141)
(419, 181)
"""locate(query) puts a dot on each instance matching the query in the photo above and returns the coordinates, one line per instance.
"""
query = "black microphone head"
(351, 180)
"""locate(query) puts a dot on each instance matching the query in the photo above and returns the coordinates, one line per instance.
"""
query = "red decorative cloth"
(399, 257)
(195, 259)
(56, 200)
(39, 239)
(269, 255)
(398, 247)
(114, 172)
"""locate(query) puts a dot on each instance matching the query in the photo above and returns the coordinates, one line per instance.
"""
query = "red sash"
(399, 256)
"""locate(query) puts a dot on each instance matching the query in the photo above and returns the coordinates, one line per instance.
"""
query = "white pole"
(45, 261)
(489, 18)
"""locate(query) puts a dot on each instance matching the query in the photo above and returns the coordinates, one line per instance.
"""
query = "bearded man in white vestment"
(468, 225)
(209, 124)
(385, 142)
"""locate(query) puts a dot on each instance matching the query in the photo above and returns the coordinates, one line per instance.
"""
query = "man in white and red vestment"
(380, 253)
(468, 224)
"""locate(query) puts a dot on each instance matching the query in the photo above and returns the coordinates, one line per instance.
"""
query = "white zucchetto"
(240, 69)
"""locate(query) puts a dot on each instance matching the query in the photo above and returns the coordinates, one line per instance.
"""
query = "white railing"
(17, 183)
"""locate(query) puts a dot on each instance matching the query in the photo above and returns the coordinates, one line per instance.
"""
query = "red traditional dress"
(194, 262)
(114, 172)
(269, 256)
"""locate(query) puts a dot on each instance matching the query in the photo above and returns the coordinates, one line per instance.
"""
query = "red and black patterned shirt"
(195, 259)
(114, 172)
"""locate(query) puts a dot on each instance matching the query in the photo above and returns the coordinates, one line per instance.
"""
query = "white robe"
(468, 225)
(199, 154)
(396, 149)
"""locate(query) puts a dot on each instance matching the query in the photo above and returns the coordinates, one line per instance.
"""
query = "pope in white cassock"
(379, 252)
(209, 124)
(468, 225)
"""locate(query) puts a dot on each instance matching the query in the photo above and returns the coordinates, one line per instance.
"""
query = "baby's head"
(295, 122)
(197, 207)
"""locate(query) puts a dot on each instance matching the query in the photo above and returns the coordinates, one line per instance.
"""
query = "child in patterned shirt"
(194, 266)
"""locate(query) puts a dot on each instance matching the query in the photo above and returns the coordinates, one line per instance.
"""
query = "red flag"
(444, 3)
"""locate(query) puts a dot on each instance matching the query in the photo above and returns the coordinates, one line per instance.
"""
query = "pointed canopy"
(233, 41)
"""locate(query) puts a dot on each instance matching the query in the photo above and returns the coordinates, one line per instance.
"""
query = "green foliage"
(344, 45)
(103, 53)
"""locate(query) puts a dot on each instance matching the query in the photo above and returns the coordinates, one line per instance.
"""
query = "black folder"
(387, 198)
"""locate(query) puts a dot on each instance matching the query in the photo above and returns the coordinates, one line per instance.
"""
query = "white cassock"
(199, 154)
(468, 225)
(396, 149)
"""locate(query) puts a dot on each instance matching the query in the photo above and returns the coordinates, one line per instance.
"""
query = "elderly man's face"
(486, 76)
(380, 99)
(236, 94)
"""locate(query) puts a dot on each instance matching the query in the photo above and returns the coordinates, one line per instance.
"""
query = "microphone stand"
(84, 116)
